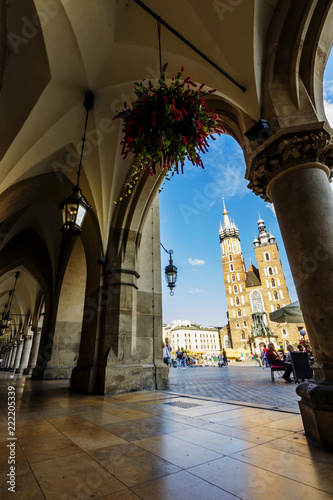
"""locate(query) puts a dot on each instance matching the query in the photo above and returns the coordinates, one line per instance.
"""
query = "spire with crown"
(229, 228)
(264, 238)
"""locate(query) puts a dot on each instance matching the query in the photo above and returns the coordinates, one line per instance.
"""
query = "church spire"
(229, 228)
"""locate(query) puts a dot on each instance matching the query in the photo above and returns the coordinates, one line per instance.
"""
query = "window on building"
(276, 296)
(235, 288)
(196, 347)
(267, 256)
(228, 245)
(243, 335)
(237, 325)
(278, 306)
(231, 267)
(270, 271)
(245, 324)
(230, 257)
(256, 301)
(237, 301)
(273, 284)
(239, 312)
(233, 277)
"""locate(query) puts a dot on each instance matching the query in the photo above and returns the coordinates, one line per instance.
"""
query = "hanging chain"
(159, 45)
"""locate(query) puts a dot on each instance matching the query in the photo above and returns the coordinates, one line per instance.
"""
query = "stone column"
(33, 352)
(27, 339)
(132, 343)
(8, 356)
(5, 358)
(293, 172)
(13, 356)
(18, 355)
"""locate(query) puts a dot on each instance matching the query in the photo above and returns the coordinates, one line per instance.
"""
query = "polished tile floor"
(154, 445)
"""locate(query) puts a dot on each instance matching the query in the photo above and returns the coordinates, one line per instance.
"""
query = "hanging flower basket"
(167, 125)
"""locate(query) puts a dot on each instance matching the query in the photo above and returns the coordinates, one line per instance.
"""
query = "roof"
(195, 327)
(252, 277)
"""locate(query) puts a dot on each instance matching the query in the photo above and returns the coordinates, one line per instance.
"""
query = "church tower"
(253, 294)
(234, 273)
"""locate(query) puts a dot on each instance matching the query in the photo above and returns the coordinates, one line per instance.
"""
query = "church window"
(270, 271)
(243, 335)
(230, 257)
(235, 288)
(245, 324)
(239, 312)
(231, 267)
(284, 332)
(237, 301)
(196, 347)
(276, 297)
(229, 247)
(237, 325)
(278, 306)
(273, 284)
(233, 277)
(267, 256)
(256, 301)
(235, 246)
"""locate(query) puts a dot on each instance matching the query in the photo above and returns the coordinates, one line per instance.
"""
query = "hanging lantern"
(170, 271)
(74, 207)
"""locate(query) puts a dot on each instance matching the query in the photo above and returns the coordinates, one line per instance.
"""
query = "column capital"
(288, 149)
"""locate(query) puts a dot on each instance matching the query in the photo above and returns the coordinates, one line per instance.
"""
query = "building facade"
(253, 293)
(192, 337)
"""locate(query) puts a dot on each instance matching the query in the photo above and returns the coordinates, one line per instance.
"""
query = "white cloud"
(271, 207)
(196, 262)
(194, 290)
(328, 89)
(329, 112)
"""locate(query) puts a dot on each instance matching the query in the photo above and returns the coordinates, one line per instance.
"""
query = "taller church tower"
(253, 294)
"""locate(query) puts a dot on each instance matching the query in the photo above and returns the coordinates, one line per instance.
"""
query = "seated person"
(275, 360)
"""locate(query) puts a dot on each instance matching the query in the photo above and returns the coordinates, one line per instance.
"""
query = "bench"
(274, 368)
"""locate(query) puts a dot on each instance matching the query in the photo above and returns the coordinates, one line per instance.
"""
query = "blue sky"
(190, 212)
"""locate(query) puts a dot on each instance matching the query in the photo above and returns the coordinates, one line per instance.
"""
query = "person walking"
(179, 357)
(225, 358)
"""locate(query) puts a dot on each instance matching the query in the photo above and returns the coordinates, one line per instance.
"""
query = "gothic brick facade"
(253, 293)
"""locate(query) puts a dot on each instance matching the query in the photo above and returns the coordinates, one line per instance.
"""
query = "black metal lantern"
(6, 318)
(170, 271)
(74, 209)
(75, 206)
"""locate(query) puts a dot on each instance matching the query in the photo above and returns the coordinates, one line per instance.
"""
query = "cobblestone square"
(238, 384)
